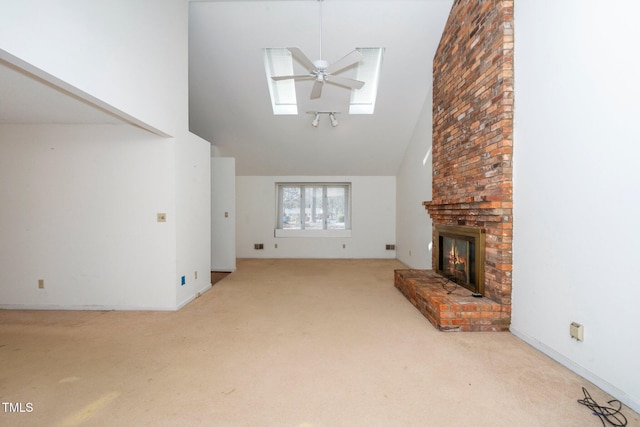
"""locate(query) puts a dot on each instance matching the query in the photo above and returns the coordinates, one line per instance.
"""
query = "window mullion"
(347, 214)
(303, 208)
(324, 207)
(280, 206)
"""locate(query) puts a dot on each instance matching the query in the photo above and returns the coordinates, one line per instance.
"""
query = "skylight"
(278, 62)
(363, 101)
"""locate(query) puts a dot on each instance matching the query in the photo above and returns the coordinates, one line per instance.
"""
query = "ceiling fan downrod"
(320, 13)
(321, 70)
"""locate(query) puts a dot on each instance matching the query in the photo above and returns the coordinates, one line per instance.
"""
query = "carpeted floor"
(281, 343)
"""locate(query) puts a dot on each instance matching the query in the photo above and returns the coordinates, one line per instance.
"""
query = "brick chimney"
(473, 133)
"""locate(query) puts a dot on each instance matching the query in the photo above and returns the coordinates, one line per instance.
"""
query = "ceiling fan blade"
(302, 58)
(317, 89)
(343, 81)
(298, 77)
(348, 60)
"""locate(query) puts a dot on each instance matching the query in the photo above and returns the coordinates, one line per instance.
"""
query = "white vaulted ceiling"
(229, 103)
(229, 97)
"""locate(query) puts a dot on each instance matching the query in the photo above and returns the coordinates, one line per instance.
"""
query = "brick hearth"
(458, 311)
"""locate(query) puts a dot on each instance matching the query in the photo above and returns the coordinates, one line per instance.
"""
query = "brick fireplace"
(472, 141)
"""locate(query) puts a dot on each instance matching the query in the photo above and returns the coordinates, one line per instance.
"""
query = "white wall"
(120, 51)
(577, 187)
(193, 217)
(92, 192)
(413, 224)
(78, 210)
(373, 216)
(223, 214)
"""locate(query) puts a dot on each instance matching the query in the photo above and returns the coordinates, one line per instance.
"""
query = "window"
(278, 62)
(313, 209)
(363, 101)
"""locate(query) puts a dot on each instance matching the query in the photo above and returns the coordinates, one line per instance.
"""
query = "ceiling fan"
(323, 72)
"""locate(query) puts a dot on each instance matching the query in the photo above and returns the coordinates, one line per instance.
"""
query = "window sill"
(312, 233)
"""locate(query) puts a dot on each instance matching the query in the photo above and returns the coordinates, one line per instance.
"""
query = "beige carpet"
(281, 343)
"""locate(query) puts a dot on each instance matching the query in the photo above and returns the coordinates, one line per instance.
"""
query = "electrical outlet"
(195, 275)
(344, 245)
(162, 217)
(577, 331)
(275, 246)
(40, 283)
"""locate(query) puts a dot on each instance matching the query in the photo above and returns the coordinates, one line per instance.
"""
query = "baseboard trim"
(52, 307)
(194, 296)
(580, 370)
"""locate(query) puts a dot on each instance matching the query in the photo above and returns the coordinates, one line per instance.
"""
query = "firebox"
(459, 255)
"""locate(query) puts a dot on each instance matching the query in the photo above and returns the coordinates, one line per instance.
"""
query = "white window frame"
(278, 61)
(302, 232)
(363, 101)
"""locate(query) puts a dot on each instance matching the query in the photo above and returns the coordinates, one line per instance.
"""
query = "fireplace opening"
(459, 256)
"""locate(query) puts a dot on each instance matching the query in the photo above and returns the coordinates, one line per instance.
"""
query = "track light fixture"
(316, 118)
(332, 117)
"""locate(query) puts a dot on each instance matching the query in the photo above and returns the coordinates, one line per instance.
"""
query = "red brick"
(473, 138)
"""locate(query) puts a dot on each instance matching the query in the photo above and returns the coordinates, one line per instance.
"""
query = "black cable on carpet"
(611, 415)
